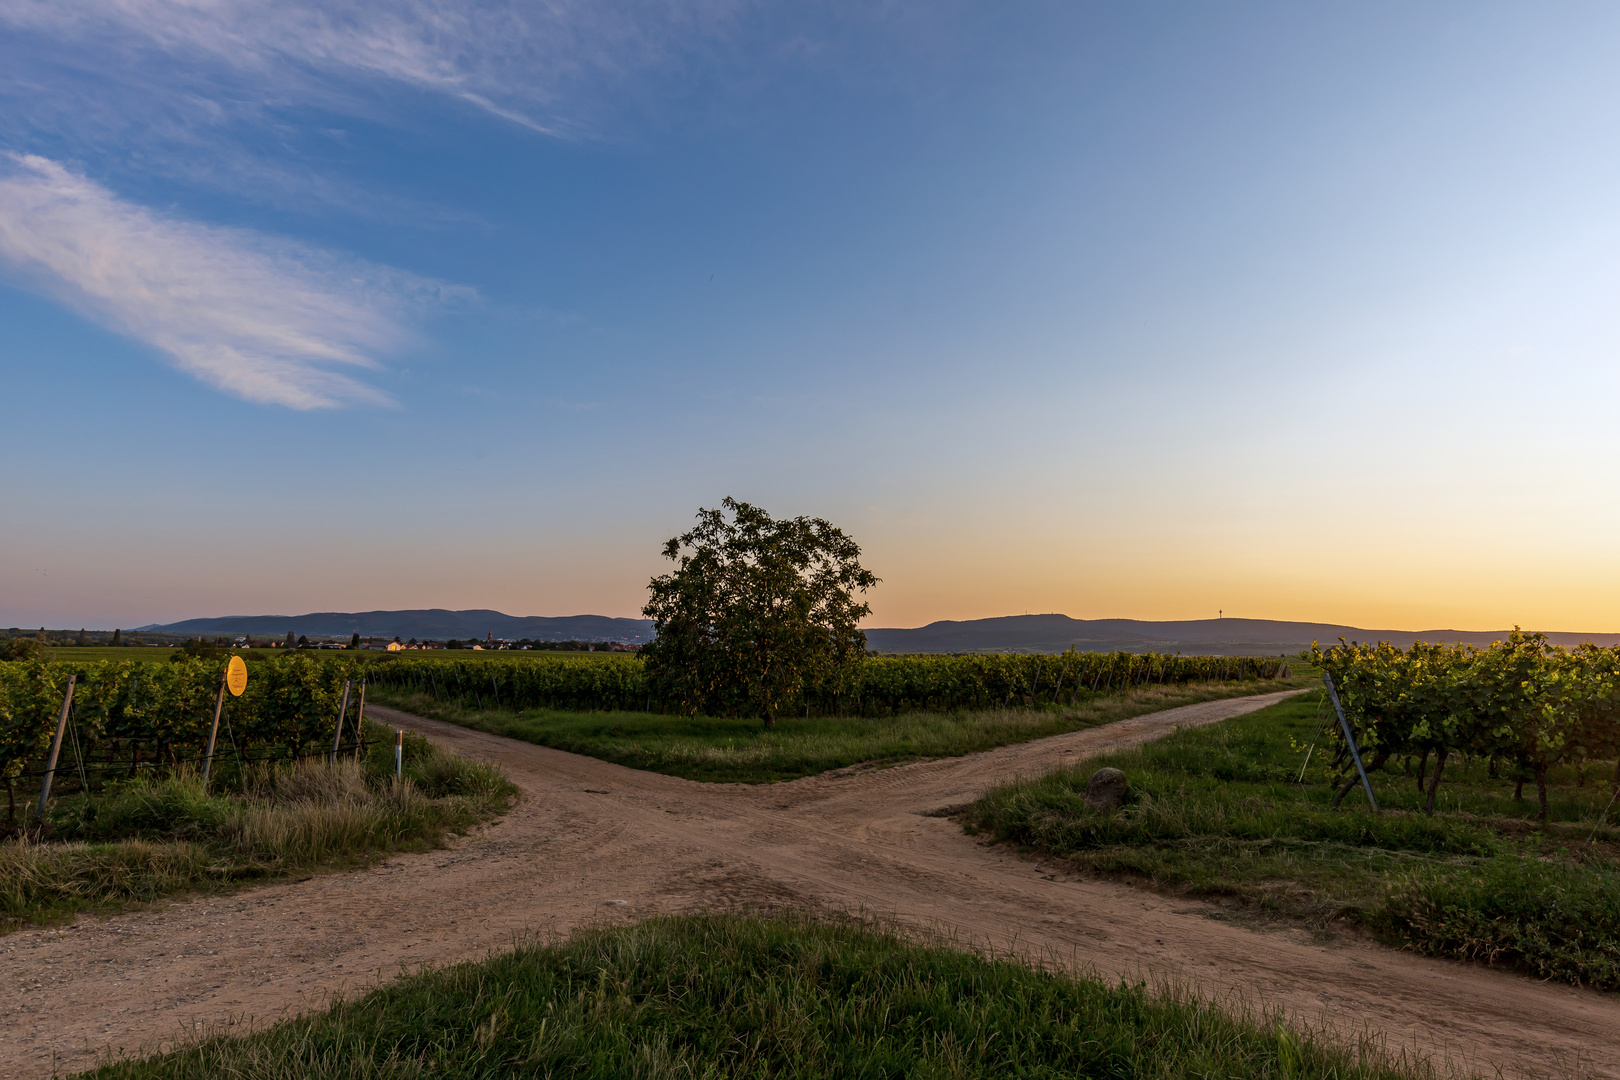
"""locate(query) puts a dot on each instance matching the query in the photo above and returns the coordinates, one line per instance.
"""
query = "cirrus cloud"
(537, 64)
(263, 319)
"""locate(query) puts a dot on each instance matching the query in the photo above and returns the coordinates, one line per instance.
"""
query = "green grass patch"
(149, 838)
(1220, 811)
(731, 996)
(745, 751)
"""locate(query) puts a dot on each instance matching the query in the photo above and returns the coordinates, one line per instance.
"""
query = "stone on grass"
(1107, 789)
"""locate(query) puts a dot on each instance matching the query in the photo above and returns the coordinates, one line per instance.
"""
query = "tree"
(118, 637)
(303, 640)
(757, 611)
(354, 640)
(197, 649)
(21, 648)
(292, 642)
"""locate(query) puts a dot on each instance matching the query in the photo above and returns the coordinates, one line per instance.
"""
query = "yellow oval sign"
(236, 676)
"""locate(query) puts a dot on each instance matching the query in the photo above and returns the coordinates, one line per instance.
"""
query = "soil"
(594, 843)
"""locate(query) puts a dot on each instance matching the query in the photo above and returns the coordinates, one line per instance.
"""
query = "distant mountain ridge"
(430, 624)
(1010, 633)
(1252, 637)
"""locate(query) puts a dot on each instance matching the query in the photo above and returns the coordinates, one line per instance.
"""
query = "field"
(748, 997)
(1220, 812)
(592, 843)
(845, 808)
(158, 835)
(99, 653)
(881, 686)
(744, 751)
(91, 654)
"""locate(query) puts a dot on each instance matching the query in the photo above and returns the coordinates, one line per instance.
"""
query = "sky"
(1149, 310)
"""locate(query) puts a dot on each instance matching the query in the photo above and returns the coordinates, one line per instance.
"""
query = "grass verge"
(153, 838)
(744, 751)
(1220, 811)
(711, 996)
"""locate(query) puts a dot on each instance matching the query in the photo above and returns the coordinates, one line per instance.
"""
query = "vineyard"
(1521, 705)
(883, 686)
(130, 718)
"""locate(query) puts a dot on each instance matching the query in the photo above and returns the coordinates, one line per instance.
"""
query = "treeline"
(133, 715)
(882, 685)
(1521, 705)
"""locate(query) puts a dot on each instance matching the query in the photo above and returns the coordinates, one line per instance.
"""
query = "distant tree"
(118, 638)
(80, 639)
(756, 610)
(21, 648)
(292, 642)
(197, 648)
(453, 643)
(354, 640)
(303, 641)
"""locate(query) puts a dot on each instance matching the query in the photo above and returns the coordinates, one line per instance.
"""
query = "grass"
(156, 837)
(743, 750)
(1219, 812)
(733, 996)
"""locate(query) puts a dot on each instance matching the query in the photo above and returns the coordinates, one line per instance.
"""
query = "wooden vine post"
(343, 711)
(56, 747)
(234, 679)
(360, 721)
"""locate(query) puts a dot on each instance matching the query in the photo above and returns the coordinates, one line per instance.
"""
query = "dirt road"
(593, 841)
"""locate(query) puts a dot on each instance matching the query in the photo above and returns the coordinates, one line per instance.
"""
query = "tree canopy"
(756, 610)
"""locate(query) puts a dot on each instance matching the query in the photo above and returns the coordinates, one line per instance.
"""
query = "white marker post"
(399, 754)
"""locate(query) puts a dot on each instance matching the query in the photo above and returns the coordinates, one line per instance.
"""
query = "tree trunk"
(1423, 768)
(1518, 789)
(1434, 785)
(11, 803)
(1541, 788)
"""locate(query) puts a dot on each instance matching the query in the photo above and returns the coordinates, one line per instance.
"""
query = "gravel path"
(593, 842)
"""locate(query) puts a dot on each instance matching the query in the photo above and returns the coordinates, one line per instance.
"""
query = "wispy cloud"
(537, 64)
(263, 319)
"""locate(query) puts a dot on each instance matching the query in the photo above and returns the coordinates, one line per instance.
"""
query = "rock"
(1107, 789)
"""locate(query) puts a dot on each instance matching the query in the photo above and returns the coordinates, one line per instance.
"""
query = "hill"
(1011, 633)
(431, 624)
(1250, 637)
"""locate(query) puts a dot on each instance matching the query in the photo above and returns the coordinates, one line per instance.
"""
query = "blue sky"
(1118, 310)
